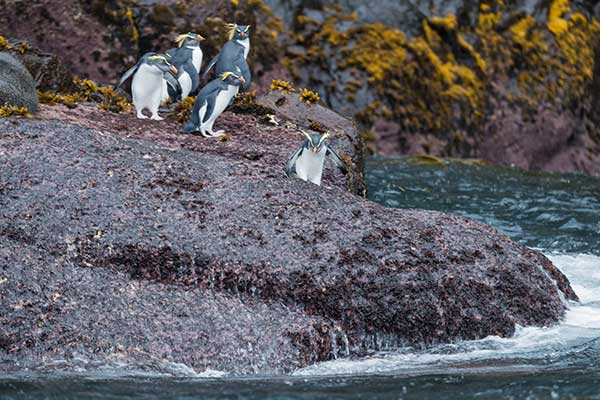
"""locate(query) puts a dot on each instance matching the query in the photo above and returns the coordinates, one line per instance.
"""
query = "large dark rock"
(17, 86)
(123, 241)
(317, 117)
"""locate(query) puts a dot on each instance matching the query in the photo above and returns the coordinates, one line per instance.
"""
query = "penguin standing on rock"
(308, 161)
(234, 53)
(212, 100)
(147, 85)
(187, 58)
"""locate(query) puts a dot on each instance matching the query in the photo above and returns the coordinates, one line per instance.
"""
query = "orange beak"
(315, 150)
(242, 79)
(200, 38)
(174, 70)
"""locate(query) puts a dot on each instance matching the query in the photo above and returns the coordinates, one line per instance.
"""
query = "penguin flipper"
(173, 86)
(195, 79)
(339, 162)
(210, 65)
(245, 70)
(290, 167)
(127, 75)
(211, 102)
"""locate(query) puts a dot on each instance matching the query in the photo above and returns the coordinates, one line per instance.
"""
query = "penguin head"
(314, 141)
(189, 39)
(232, 78)
(162, 63)
(238, 32)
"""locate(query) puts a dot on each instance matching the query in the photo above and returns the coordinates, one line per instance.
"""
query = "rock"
(17, 87)
(548, 141)
(437, 68)
(125, 242)
(48, 71)
(316, 117)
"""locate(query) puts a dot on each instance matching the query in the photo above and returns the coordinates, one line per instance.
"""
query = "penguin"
(212, 100)
(187, 58)
(147, 86)
(307, 162)
(234, 53)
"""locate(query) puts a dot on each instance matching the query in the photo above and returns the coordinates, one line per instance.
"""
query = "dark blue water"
(559, 215)
(552, 212)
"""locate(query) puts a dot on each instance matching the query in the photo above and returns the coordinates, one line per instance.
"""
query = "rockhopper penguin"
(187, 58)
(147, 85)
(212, 100)
(234, 53)
(308, 161)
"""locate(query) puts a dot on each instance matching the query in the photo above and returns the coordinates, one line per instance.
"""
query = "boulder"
(289, 107)
(126, 242)
(17, 86)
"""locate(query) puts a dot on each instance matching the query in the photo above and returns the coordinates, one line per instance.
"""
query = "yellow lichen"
(309, 97)
(88, 91)
(442, 79)
(23, 47)
(4, 43)
(282, 86)
(183, 110)
(556, 23)
(134, 31)
(8, 110)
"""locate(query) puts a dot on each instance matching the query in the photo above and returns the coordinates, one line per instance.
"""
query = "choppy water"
(558, 214)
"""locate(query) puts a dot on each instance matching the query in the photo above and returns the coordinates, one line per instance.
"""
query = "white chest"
(309, 165)
(147, 78)
(197, 58)
(186, 84)
(225, 96)
(246, 44)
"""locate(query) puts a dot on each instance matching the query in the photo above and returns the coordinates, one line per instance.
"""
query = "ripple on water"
(547, 211)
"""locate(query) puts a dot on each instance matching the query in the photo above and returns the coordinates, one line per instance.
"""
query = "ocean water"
(557, 214)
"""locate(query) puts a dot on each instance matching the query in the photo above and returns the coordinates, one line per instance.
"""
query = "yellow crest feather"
(154, 58)
(226, 75)
(232, 28)
(181, 39)
(307, 135)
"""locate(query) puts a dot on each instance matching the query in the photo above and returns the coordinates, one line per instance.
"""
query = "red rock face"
(546, 141)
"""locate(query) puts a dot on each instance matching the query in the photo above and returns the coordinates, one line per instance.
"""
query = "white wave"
(584, 273)
(529, 344)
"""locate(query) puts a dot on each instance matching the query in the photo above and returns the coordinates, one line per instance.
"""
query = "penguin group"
(175, 75)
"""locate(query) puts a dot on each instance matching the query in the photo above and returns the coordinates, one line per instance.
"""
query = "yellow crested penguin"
(212, 100)
(147, 85)
(187, 58)
(307, 162)
(234, 53)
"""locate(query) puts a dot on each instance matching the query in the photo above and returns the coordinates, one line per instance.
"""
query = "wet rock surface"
(125, 242)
